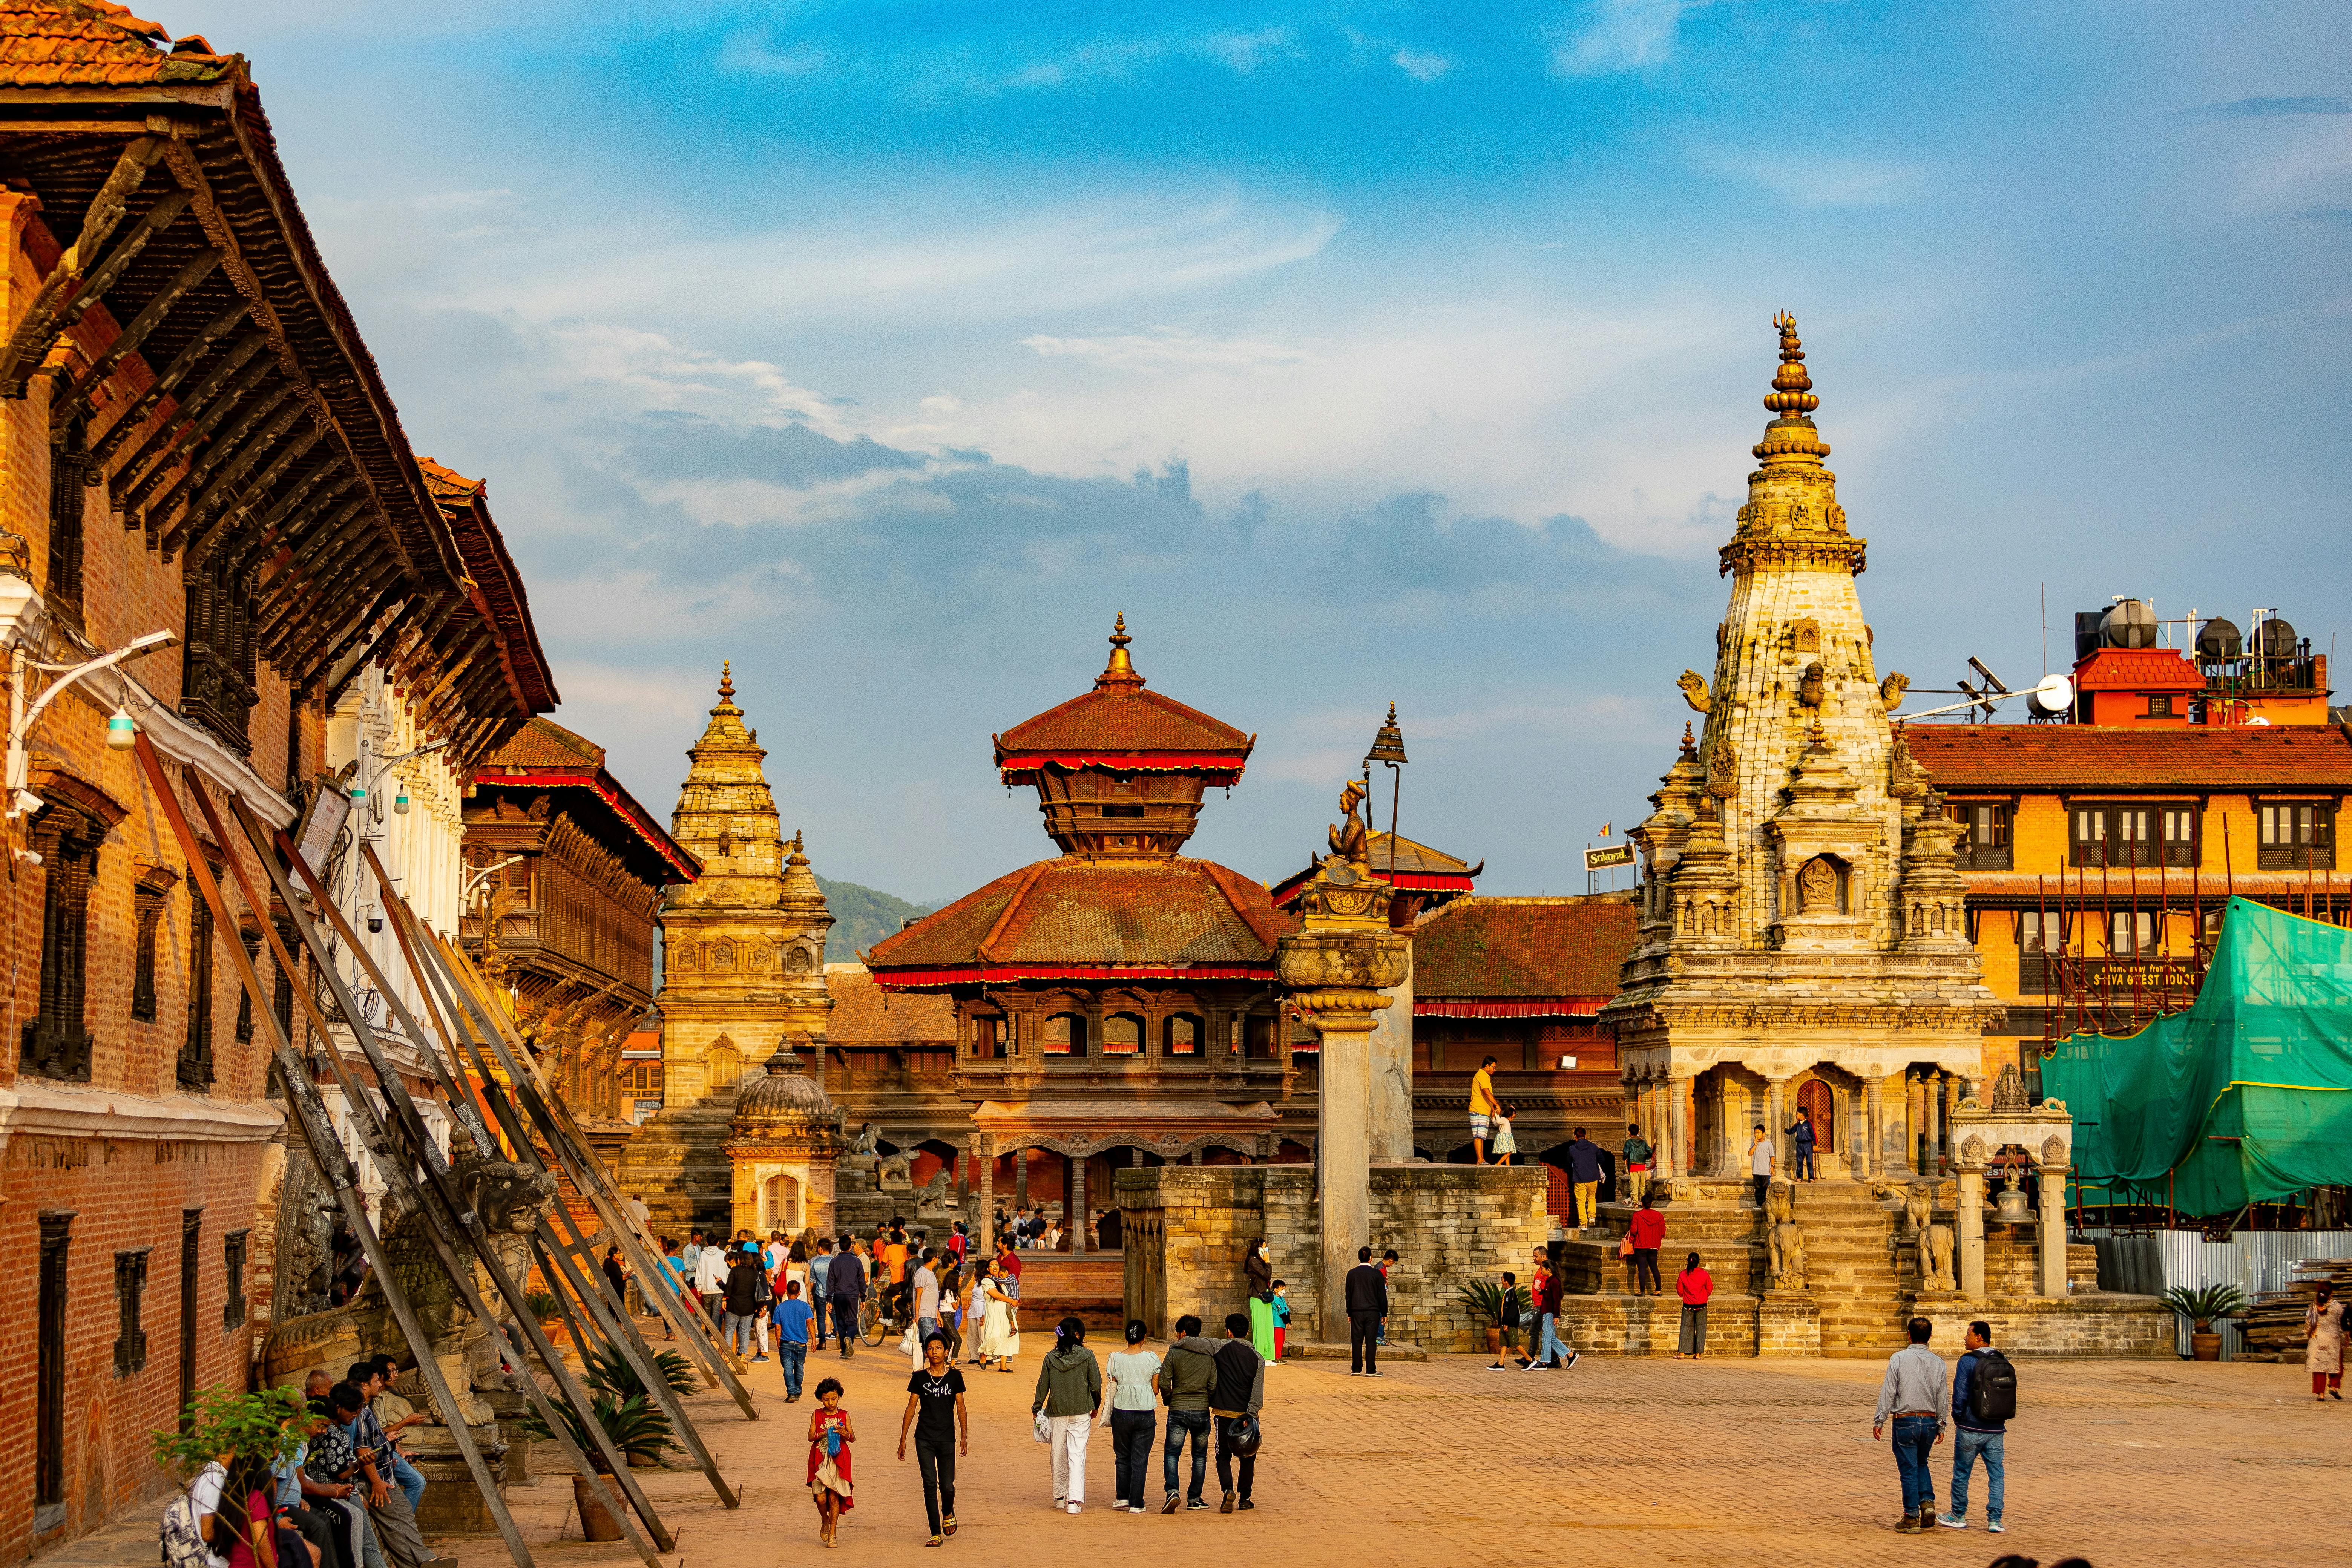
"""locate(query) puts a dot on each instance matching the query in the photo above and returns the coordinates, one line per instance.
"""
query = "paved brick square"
(1623, 1461)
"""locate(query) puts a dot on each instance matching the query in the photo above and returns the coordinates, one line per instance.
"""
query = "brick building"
(193, 440)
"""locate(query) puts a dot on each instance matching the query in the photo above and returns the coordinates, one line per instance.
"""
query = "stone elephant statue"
(1785, 1244)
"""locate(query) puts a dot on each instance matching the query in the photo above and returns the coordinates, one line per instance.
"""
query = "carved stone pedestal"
(453, 1504)
(1788, 1323)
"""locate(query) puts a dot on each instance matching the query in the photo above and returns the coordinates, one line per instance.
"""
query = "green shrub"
(1483, 1298)
(615, 1376)
(542, 1305)
(266, 1426)
(2201, 1304)
(634, 1425)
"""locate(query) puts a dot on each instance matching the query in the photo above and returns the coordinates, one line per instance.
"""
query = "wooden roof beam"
(130, 420)
(276, 597)
(37, 331)
(222, 516)
(75, 400)
(237, 374)
(233, 422)
(332, 611)
(234, 465)
(289, 517)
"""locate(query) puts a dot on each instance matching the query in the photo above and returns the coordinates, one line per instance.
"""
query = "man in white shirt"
(927, 1301)
(710, 1281)
(1760, 1156)
(1913, 1396)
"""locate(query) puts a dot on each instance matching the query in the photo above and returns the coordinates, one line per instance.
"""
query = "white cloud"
(1121, 60)
(1421, 63)
(1622, 34)
(755, 54)
(1166, 348)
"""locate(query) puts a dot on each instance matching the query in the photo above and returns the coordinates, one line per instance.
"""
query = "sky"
(1356, 354)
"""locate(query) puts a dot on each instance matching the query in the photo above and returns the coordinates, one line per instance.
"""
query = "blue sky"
(1357, 353)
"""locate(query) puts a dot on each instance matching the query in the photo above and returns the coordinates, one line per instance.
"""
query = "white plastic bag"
(1044, 1428)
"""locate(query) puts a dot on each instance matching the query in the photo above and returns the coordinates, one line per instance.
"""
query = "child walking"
(1281, 1318)
(1506, 1141)
(830, 1435)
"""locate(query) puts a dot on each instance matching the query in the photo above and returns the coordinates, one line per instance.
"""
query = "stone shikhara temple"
(1802, 953)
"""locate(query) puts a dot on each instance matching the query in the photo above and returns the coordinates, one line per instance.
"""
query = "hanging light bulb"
(400, 803)
(121, 730)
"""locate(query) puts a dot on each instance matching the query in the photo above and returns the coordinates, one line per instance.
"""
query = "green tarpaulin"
(2245, 1098)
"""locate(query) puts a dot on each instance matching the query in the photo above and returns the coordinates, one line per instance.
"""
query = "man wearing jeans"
(791, 1317)
(1973, 1438)
(1186, 1379)
(844, 1287)
(927, 1302)
(1914, 1396)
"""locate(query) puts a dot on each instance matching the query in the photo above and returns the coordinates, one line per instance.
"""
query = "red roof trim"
(1543, 1008)
(1285, 892)
(612, 795)
(1024, 762)
(1006, 974)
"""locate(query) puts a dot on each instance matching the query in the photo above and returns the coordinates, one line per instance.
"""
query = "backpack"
(184, 1543)
(1992, 1388)
(763, 1293)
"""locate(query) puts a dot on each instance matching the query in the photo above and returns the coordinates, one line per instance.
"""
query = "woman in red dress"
(830, 1435)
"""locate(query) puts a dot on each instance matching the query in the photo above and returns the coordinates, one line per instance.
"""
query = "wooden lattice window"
(251, 941)
(130, 1295)
(69, 492)
(147, 899)
(57, 1039)
(233, 1272)
(196, 1066)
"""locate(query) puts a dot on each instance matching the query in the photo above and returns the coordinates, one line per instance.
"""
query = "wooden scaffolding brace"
(435, 1197)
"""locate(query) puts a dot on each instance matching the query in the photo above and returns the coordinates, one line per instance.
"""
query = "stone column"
(1674, 1090)
(1074, 1203)
(1914, 1121)
(2052, 1228)
(1391, 1068)
(1776, 1122)
(983, 1149)
(1336, 969)
(1971, 1228)
(1870, 1149)
(963, 1179)
(1935, 1089)
(1020, 1182)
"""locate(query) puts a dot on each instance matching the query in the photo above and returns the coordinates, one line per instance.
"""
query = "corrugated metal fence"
(2253, 1261)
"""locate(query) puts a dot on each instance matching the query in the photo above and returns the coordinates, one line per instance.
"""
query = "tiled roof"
(2085, 757)
(1522, 947)
(1408, 855)
(545, 744)
(2138, 669)
(90, 43)
(866, 1014)
(1070, 912)
(493, 581)
(1121, 719)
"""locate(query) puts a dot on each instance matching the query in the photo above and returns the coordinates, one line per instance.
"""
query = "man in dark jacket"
(845, 1288)
(1368, 1303)
(1240, 1389)
(1584, 1173)
(1187, 1379)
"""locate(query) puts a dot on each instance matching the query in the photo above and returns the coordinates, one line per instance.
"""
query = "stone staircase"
(1850, 1266)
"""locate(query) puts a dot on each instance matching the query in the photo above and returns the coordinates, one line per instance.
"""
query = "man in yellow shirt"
(1484, 1106)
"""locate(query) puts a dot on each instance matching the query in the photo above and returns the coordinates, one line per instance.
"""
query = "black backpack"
(1992, 1389)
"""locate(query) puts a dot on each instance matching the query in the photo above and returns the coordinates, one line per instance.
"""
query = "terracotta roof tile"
(91, 43)
(1122, 718)
(2138, 669)
(1968, 758)
(545, 744)
(1076, 913)
(866, 1014)
(1522, 947)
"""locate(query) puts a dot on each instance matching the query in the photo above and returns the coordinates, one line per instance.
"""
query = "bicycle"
(873, 1323)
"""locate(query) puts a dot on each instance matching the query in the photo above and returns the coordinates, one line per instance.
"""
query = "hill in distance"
(861, 917)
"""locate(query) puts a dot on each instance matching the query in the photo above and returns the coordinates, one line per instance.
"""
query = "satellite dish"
(2053, 698)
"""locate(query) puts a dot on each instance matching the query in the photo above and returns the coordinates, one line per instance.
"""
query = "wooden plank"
(127, 342)
(125, 421)
(36, 328)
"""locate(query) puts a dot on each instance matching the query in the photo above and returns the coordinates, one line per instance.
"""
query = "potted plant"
(2203, 1305)
(1483, 1299)
(636, 1429)
(547, 1312)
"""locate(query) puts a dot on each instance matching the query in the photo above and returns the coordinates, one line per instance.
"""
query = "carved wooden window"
(196, 1066)
(49, 1377)
(2120, 835)
(1259, 1039)
(2160, 705)
(252, 943)
(147, 915)
(129, 1293)
(233, 1273)
(282, 997)
(2039, 936)
(68, 479)
(1066, 1035)
(988, 1036)
(1122, 1035)
(216, 668)
(56, 1041)
(2298, 836)
(1984, 842)
(1184, 1035)
(2178, 834)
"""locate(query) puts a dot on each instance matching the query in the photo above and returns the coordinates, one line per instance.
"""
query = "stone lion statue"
(1935, 1259)
(1891, 690)
(894, 1173)
(1780, 1201)
(934, 1197)
(1919, 1207)
(1785, 1245)
(1694, 692)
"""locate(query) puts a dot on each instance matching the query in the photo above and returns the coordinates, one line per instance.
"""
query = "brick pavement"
(2127, 1463)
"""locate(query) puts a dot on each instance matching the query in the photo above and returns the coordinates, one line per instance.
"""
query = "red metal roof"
(1072, 918)
(2080, 758)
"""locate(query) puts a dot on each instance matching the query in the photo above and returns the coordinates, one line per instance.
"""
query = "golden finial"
(1690, 747)
(1793, 390)
(727, 680)
(1120, 670)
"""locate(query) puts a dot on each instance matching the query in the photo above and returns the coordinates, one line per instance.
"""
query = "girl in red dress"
(830, 1435)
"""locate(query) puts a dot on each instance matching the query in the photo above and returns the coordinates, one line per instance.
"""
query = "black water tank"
(2274, 638)
(2218, 640)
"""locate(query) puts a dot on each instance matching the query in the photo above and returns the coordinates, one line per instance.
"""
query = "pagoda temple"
(1117, 1005)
